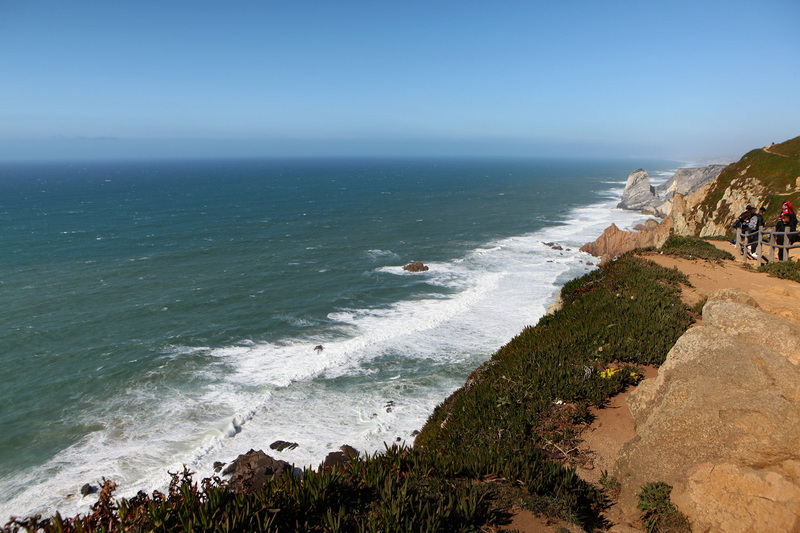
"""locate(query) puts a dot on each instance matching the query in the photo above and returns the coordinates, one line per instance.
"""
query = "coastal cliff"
(640, 195)
(704, 202)
(719, 424)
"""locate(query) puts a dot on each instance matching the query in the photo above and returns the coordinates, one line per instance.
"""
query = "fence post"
(759, 247)
(772, 247)
(785, 245)
(739, 244)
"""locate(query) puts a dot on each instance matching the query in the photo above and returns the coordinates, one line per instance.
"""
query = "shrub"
(659, 515)
(694, 248)
(783, 269)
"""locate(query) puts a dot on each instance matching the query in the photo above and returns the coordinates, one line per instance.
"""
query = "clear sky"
(684, 79)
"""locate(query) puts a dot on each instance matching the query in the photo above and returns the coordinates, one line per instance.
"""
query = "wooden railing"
(766, 239)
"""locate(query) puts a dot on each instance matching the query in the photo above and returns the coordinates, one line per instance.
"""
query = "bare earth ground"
(613, 425)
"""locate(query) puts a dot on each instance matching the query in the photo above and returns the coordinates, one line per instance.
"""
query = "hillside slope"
(762, 177)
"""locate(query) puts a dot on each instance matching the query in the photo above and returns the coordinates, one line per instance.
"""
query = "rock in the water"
(87, 489)
(415, 267)
(281, 445)
(249, 471)
(349, 451)
(335, 458)
(218, 466)
(721, 424)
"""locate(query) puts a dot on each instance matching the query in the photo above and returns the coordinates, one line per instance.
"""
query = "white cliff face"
(638, 192)
(687, 180)
(658, 201)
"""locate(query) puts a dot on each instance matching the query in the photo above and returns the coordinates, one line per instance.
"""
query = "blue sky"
(502, 77)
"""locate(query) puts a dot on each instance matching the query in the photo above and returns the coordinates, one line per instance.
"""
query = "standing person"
(741, 221)
(783, 224)
(788, 209)
(754, 225)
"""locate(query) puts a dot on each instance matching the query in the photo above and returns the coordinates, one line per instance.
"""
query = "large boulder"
(721, 424)
(251, 470)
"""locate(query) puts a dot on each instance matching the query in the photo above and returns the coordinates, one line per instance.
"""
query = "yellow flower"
(608, 372)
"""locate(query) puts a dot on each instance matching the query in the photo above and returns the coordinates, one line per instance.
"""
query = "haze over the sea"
(675, 79)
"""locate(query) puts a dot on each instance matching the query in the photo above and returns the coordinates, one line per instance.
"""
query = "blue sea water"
(156, 314)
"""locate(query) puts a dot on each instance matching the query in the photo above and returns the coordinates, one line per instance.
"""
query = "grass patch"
(698, 307)
(782, 269)
(659, 515)
(694, 248)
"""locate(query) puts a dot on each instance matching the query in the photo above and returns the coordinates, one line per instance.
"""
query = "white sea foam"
(247, 395)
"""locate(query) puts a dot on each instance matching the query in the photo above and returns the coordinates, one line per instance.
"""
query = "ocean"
(158, 314)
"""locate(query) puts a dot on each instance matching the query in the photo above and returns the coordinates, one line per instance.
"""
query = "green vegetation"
(783, 269)
(698, 307)
(659, 515)
(694, 248)
(504, 438)
(776, 172)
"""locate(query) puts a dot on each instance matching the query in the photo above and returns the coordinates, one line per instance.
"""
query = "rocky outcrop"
(721, 422)
(614, 242)
(249, 471)
(639, 194)
(685, 182)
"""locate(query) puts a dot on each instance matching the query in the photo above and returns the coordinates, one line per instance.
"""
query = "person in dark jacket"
(742, 221)
(755, 224)
(783, 224)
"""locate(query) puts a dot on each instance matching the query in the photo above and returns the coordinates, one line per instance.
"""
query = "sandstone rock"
(251, 470)
(752, 325)
(415, 267)
(733, 294)
(721, 424)
(615, 242)
(721, 497)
